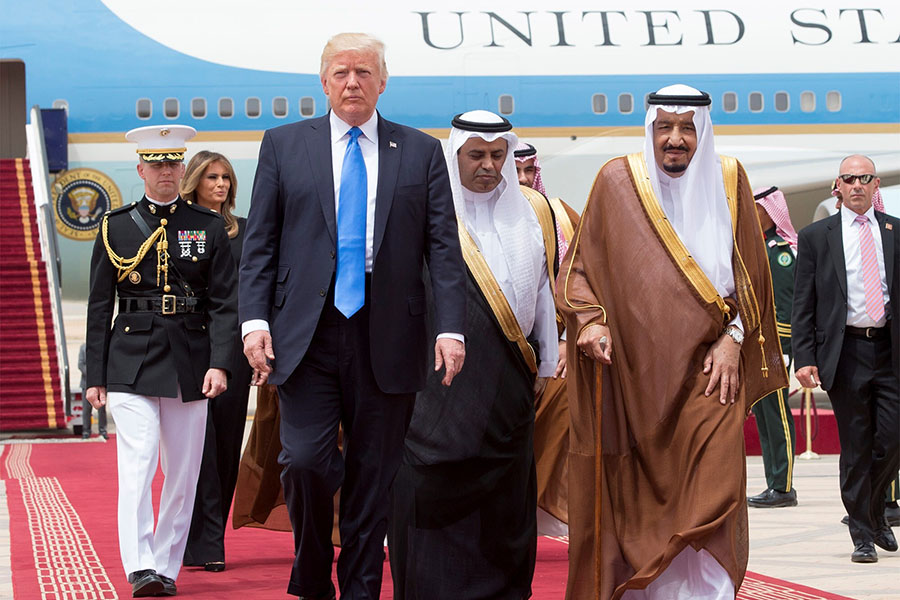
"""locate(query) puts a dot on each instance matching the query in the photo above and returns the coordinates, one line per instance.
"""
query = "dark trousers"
(225, 423)
(866, 402)
(334, 384)
(776, 437)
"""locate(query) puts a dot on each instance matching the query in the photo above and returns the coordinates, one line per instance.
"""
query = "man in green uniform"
(773, 416)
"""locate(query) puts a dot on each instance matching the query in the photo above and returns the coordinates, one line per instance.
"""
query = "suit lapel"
(390, 149)
(887, 241)
(836, 248)
(318, 148)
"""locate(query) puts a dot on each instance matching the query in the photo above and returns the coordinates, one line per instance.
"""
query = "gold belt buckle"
(168, 304)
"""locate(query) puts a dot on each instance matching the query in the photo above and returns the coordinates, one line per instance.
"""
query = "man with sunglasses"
(846, 338)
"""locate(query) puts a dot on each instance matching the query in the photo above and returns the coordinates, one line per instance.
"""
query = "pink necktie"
(870, 276)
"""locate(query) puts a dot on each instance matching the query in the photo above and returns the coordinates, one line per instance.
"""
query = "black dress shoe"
(216, 566)
(892, 514)
(885, 539)
(864, 553)
(846, 520)
(104, 435)
(169, 588)
(145, 583)
(773, 499)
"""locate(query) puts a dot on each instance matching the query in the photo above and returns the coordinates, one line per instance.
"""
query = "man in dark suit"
(846, 338)
(345, 211)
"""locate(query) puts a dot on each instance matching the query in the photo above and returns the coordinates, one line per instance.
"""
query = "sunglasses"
(863, 179)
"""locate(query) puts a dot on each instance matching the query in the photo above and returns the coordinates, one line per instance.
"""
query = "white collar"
(339, 127)
(848, 216)
(158, 203)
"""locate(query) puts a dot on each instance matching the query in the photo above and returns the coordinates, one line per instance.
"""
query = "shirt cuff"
(252, 325)
(452, 336)
(736, 321)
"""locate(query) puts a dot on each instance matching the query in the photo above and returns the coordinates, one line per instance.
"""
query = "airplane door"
(12, 109)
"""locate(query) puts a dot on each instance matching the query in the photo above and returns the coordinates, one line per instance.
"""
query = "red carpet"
(824, 430)
(30, 397)
(62, 509)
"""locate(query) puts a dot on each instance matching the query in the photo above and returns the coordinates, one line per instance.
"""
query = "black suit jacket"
(820, 294)
(289, 251)
(151, 354)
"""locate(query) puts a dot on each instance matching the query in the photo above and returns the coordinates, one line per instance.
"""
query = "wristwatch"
(735, 333)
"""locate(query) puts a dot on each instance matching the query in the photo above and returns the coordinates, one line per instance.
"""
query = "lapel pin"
(889, 226)
(392, 144)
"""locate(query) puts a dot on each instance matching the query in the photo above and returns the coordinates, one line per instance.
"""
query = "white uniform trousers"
(152, 430)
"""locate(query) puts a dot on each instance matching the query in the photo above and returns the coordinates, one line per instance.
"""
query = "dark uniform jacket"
(781, 263)
(147, 352)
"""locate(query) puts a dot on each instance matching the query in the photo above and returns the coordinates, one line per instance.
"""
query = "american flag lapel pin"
(392, 144)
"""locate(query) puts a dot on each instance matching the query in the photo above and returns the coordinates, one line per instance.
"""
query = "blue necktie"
(350, 285)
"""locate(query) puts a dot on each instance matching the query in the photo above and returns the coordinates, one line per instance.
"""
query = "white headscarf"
(695, 203)
(521, 251)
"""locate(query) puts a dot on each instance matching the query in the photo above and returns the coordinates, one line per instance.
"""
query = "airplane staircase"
(30, 383)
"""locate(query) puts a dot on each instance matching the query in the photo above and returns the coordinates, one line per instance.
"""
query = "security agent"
(170, 265)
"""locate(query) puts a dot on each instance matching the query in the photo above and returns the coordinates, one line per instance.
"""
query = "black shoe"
(773, 499)
(169, 588)
(216, 566)
(885, 539)
(104, 435)
(145, 583)
(864, 553)
(892, 514)
(846, 520)
(86, 436)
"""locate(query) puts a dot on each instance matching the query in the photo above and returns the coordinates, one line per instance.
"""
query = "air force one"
(794, 87)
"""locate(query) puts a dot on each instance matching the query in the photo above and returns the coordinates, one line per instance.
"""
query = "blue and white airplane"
(794, 88)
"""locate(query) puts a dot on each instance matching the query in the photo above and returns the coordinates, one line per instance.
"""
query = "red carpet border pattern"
(65, 563)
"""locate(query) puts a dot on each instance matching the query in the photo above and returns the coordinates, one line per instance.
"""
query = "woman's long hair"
(194, 172)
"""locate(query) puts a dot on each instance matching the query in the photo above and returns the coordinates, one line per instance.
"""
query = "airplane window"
(226, 108)
(626, 103)
(280, 107)
(807, 101)
(782, 101)
(833, 101)
(755, 102)
(729, 102)
(64, 104)
(170, 108)
(598, 104)
(198, 108)
(307, 106)
(144, 108)
(506, 104)
(253, 108)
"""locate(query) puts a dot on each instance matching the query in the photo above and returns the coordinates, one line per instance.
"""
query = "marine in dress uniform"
(773, 415)
(169, 265)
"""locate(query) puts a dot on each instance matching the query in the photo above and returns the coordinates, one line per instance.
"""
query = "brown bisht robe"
(671, 468)
(551, 411)
(259, 497)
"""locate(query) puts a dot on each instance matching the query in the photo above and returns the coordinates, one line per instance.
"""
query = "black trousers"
(334, 384)
(866, 402)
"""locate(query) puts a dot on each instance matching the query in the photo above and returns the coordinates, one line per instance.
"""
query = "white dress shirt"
(856, 293)
(368, 145)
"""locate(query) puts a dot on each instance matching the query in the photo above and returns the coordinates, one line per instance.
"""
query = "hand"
(258, 350)
(595, 342)
(96, 395)
(561, 365)
(540, 384)
(808, 376)
(215, 382)
(450, 354)
(722, 360)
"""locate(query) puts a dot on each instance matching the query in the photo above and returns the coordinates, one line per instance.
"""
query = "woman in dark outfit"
(210, 182)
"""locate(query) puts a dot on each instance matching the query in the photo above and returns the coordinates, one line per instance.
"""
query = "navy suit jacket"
(290, 248)
(820, 294)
